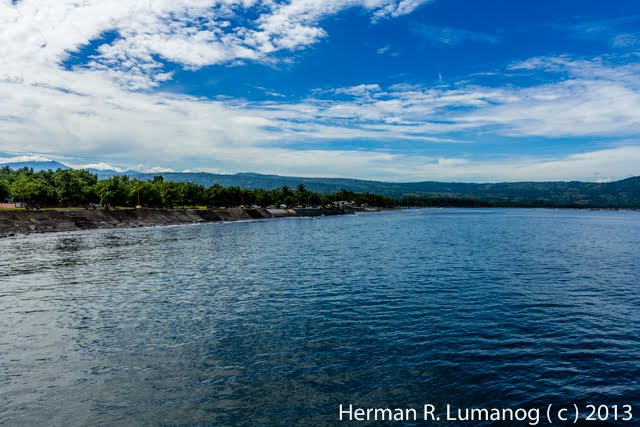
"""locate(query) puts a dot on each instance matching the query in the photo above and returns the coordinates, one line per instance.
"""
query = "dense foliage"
(73, 187)
(624, 193)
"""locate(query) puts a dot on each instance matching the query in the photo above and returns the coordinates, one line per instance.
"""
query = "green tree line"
(77, 187)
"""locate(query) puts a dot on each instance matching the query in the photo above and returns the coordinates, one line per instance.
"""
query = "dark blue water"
(279, 322)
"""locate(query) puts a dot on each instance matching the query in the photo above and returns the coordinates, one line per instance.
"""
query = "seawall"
(14, 222)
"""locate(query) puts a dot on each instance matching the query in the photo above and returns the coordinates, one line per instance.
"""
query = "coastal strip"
(18, 222)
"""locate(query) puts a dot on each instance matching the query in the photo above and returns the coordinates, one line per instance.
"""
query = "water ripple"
(278, 322)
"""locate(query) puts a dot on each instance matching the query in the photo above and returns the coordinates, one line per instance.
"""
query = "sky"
(393, 90)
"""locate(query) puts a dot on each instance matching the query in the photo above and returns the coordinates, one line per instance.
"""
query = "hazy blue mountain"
(108, 173)
(36, 166)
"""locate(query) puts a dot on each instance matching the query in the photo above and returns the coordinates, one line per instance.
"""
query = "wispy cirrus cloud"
(387, 50)
(617, 33)
(579, 98)
(448, 36)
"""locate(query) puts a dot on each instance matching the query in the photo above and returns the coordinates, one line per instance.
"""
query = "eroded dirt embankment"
(14, 222)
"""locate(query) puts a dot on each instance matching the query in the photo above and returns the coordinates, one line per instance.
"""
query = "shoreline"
(22, 222)
(19, 222)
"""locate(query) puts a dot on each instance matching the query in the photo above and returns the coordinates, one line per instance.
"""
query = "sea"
(327, 321)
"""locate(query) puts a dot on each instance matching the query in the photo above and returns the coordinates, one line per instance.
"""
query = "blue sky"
(397, 90)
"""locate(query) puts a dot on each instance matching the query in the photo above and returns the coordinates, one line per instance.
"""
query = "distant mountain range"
(624, 193)
(36, 166)
(108, 173)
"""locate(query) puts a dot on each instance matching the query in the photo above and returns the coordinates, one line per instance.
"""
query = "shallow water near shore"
(279, 322)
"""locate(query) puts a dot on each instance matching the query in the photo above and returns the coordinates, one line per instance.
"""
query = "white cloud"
(384, 49)
(359, 90)
(22, 159)
(594, 98)
(452, 36)
(616, 163)
(191, 33)
(153, 169)
(613, 32)
(97, 166)
(96, 111)
(90, 116)
(395, 8)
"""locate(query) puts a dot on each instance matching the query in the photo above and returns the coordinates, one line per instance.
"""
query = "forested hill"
(624, 193)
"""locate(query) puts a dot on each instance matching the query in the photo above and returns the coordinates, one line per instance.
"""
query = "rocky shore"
(15, 222)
